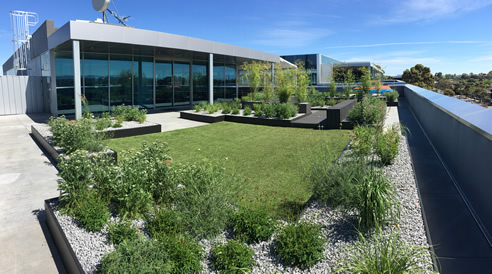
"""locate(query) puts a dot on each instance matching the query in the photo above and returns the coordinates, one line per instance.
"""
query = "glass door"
(164, 83)
(182, 84)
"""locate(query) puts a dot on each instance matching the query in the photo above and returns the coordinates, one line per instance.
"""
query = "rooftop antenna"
(102, 6)
(20, 21)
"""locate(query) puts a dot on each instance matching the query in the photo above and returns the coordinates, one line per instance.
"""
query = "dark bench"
(336, 114)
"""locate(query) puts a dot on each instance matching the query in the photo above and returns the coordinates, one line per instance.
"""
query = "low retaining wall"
(336, 114)
(70, 261)
(200, 117)
(461, 133)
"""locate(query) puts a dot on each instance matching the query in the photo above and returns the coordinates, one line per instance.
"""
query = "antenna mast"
(20, 21)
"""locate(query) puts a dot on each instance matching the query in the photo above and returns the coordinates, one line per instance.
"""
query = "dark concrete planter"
(392, 104)
(259, 121)
(53, 153)
(128, 132)
(70, 261)
(337, 113)
(250, 104)
(304, 108)
(201, 117)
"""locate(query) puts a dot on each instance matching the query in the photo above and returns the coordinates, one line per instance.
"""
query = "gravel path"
(337, 228)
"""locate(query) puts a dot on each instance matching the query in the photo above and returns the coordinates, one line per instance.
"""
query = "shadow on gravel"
(344, 230)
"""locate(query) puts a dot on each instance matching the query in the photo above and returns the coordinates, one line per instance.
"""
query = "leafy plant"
(369, 110)
(269, 110)
(382, 254)
(164, 222)
(185, 252)
(252, 226)
(247, 111)
(92, 213)
(332, 102)
(102, 123)
(284, 78)
(197, 108)
(254, 73)
(121, 231)
(138, 256)
(300, 244)
(303, 76)
(377, 203)
(116, 125)
(391, 96)
(226, 109)
(363, 140)
(286, 111)
(129, 113)
(258, 109)
(74, 135)
(235, 110)
(387, 145)
(233, 257)
(315, 98)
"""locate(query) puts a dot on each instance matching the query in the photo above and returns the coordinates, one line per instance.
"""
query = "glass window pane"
(164, 84)
(96, 81)
(121, 80)
(143, 69)
(219, 81)
(181, 84)
(200, 82)
(64, 82)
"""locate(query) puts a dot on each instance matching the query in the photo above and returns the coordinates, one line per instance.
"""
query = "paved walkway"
(27, 178)
(171, 121)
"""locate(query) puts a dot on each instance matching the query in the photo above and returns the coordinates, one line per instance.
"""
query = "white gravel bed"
(337, 228)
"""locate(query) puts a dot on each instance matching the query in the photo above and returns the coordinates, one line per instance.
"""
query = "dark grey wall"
(466, 149)
(39, 40)
(9, 64)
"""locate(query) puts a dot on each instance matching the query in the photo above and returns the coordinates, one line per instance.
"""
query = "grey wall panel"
(3, 96)
(11, 91)
(60, 36)
(39, 95)
(29, 96)
(465, 148)
(20, 94)
(23, 91)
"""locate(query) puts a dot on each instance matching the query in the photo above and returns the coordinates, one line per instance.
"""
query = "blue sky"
(450, 36)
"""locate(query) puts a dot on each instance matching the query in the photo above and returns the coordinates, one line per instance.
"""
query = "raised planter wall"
(461, 133)
(336, 114)
(70, 261)
(128, 132)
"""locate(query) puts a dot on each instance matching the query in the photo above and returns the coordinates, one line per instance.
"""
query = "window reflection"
(164, 84)
(200, 82)
(121, 80)
(64, 82)
(143, 69)
(96, 82)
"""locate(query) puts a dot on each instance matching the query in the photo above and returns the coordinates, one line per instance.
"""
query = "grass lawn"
(271, 161)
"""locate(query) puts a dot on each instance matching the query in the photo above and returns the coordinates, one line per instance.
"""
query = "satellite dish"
(100, 5)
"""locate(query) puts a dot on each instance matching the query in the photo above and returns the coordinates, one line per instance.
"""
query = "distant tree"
(333, 86)
(254, 73)
(489, 75)
(465, 76)
(438, 75)
(481, 93)
(468, 90)
(419, 75)
(443, 84)
(303, 77)
(365, 81)
(449, 92)
(347, 85)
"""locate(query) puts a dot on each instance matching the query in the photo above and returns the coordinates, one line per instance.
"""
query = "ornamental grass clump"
(300, 244)
(387, 145)
(252, 226)
(391, 96)
(232, 257)
(247, 111)
(377, 203)
(121, 231)
(137, 256)
(383, 254)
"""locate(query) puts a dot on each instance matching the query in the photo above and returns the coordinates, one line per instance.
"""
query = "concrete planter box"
(70, 261)
(128, 132)
(392, 104)
(54, 152)
(202, 117)
(336, 114)
(304, 108)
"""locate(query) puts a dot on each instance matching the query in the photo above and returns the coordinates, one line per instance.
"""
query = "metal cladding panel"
(91, 31)
(60, 36)
(482, 120)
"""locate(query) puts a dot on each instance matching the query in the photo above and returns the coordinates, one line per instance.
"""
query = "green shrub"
(300, 244)
(106, 115)
(235, 110)
(74, 135)
(383, 254)
(233, 257)
(164, 222)
(102, 123)
(226, 109)
(247, 111)
(92, 213)
(270, 110)
(363, 140)
(369, 110)
(377, 203)
(315, 98)
(203, 198)
(391, 96)
(119, 232)
(336, 183)
(211, 109)
(185, 252)
(286, 111)
(252, 226)
(116, 125)
(258, 109)
(332, 102)
(197, 108)
(387, 145)
(139, 256)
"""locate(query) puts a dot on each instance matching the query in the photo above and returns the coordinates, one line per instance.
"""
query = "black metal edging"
(70, 261)
(51, 151)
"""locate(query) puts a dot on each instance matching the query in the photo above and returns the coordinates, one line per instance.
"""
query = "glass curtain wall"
(95, 84)
(181, 84)
(164, 83)
(121, 79)
(230, 81)
(200, 82)
(143, 80)
(219, 81)
(64, 82)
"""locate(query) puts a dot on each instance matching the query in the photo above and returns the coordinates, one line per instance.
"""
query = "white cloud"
(482, 59)
(431, 10)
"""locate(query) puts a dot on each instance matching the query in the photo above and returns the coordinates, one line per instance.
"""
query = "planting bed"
(338, 229)
(203, 116)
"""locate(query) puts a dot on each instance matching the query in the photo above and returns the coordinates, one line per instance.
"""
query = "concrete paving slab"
(27, 178)
(171, 121)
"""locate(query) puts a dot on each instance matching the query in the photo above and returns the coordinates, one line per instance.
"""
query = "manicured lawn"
(270, 161)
